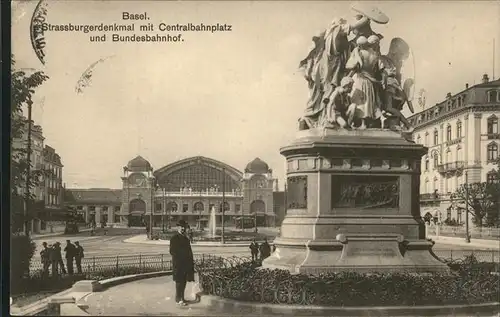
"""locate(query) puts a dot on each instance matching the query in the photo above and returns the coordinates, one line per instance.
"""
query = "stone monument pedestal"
(353, 205)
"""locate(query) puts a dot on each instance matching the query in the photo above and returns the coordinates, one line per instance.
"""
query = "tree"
(482, 199)
(22, 91)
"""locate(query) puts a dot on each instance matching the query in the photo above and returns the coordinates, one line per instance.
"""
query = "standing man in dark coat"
(182, 261)
(70, 255)
(79, 255)
(265, 250)
(254, 250)
(45, 257)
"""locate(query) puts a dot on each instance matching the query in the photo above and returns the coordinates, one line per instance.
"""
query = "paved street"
(114, 245)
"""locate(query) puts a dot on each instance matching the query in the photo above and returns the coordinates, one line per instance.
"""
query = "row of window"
(103, 208)
(198, 207)
(492, 128)
(491, 156)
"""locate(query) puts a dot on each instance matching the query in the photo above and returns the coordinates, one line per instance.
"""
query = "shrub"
(22, 251)
(470, 283)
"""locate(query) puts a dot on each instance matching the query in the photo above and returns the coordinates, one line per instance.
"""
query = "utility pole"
(223, 202)
(164, 210)
(467, 236)
(28, 173)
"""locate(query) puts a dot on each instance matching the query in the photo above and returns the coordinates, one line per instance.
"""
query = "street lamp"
(164, 211)
(223, 202)
(467, 236)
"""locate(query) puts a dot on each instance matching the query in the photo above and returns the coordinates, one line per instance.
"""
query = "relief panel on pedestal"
(365, 192)
(297, 192)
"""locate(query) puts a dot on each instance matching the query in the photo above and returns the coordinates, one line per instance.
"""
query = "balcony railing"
(159, 193)
(451, 167)
(493, 136)
(429, 196)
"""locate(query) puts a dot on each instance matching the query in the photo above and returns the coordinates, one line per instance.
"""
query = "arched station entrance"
(137, 209)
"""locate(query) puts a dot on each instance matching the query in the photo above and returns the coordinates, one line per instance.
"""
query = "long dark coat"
(182, 258)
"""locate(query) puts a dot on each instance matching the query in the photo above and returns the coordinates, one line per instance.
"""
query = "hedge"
(470, 283)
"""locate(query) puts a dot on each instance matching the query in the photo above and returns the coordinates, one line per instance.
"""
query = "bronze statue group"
(351, 84)
(51, 257)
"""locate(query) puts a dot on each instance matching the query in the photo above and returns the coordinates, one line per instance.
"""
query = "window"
(493, 125)
(117, 208)
(419, 140)
(104, 208)
(238, 207)
(79, 207)
(185, 207)
(436, 160)
(448, 133)
(116, 219)
(158, 207)
(459, 129)
(493, 96)
(91, 208)
(436, 137)
(491, 177)
(426, 138)
(426, 163)
(492, 152)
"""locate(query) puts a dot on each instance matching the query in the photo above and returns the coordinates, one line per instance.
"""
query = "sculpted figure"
(324, 67)
(394, 95)
(339, 109)
(366, 69)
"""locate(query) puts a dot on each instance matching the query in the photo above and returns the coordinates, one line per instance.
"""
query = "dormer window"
(493, 96)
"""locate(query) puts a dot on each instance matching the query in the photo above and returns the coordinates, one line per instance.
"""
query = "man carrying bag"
(182, 262)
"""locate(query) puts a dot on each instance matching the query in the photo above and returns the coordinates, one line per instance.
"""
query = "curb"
(131, 278)
(486, 244)
(134, 240)
(274, 309)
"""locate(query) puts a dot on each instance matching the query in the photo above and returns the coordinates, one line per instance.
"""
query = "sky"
(231, 96)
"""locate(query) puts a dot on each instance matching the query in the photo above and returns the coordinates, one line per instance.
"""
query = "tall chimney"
(467, 86)
(485, 78)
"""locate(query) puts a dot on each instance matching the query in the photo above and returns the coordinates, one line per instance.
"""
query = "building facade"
(189, 189)
(48, 194)
(463, 138)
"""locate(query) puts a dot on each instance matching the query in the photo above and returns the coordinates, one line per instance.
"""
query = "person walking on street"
(182, 262)
(254, 250)
(45, 258)
(265, 250)
(70, 255)
(79, 255)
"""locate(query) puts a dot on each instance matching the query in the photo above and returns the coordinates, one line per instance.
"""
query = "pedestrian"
(57, 259)
(70, 250)
(254, 250)
(79, 255)
(265, 250)
(182, 261)
(45, 259)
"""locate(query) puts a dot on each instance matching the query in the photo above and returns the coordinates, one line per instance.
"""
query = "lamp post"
(28, 172)
(153, 190)
(467, 236)
(223, 203)
(164, 210)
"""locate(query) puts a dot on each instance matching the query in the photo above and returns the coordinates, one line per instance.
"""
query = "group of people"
(262, 251)
(51, 256)
(352, 85)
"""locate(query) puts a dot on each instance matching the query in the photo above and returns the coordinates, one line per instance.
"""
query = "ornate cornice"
(445, 116)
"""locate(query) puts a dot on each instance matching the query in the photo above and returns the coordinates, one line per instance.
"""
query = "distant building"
(462, 135)
(47, 206)
(188, 189)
